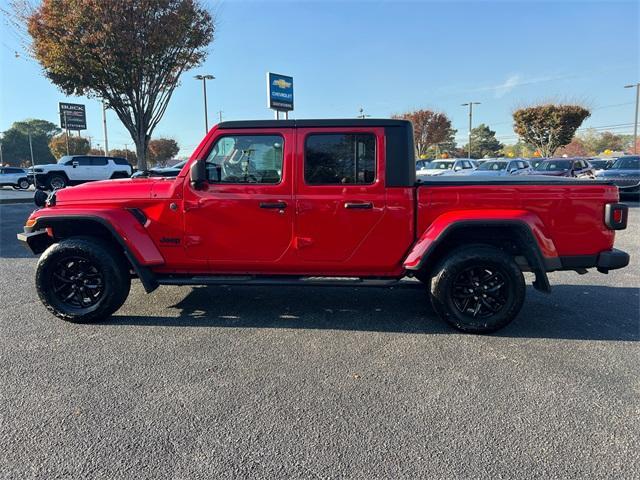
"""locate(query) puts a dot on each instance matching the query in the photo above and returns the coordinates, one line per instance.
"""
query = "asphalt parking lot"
(257, 382)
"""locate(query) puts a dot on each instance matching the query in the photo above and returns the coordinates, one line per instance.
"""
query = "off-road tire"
(458, 267)
(111, 266)
(56, 182)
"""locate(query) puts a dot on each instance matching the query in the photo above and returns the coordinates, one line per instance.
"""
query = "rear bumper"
(603, 261)
(612, 260)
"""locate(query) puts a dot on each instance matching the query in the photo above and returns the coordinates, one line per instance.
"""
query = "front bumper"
(35, 241)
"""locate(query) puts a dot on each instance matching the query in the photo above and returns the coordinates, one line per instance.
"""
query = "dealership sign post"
(280, 93)
(73, 116)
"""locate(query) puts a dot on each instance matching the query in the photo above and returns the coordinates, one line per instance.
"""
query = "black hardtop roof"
(308, 123)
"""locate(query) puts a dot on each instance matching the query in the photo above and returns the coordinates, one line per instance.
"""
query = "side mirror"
(198, 173)
(75, 164)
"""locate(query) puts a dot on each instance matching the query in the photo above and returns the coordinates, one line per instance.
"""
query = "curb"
(9, 201)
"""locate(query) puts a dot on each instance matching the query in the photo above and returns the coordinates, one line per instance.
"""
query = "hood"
(488, 173)
(434, 171)
(617, 173)
(552, 173)
(106, 190)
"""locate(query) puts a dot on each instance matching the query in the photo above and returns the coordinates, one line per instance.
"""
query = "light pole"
(635, 124)
(204, 79)
(470, 105)
(362, 114)
(104, 127)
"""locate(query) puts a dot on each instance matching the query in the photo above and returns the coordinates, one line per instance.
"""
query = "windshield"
(632, 163)
(495, 166)
(179, 165)
(600, 163)
(64, 159)
(441, 165)
(554, 166)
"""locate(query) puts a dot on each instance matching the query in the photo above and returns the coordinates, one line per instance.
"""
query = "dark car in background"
(601, 163)
(172, 171)
(565, 167)
(625, 173)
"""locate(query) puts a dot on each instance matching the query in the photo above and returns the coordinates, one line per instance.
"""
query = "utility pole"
(204, 79)
(31, 149)
(104, 127)
(66, 128)
(635, 123)
(470, 105)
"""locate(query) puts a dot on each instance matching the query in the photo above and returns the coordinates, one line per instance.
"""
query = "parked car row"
(15, 177)
(623, 172)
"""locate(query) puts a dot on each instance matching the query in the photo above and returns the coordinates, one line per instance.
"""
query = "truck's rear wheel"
(82, 280)
(56, 182)
(478, 289)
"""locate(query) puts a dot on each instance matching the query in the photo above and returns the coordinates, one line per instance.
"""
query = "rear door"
(79, 169)
(340, 196)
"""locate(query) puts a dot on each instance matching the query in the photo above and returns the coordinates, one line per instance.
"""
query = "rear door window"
(340, 159)
(98, 161)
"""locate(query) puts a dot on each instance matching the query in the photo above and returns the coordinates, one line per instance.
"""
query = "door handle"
(276, 205)
(359, 205)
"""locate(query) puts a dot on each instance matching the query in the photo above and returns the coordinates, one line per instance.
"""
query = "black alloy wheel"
(479, 292)
(77, 282)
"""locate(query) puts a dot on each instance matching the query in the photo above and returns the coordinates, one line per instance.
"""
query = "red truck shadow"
(580, 312)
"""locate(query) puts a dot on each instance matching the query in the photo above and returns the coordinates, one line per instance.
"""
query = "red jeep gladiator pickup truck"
(320, 202)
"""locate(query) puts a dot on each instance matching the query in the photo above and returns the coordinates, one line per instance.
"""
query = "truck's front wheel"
(82, 280)
(478, 289)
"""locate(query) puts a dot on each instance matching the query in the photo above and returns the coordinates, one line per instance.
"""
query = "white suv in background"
(14, 177)
(75, 169)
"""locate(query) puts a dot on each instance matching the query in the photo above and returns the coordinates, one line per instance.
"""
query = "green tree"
(596, 142)
(129, 53)
(519, 149)
(15, 142)
(483, 142)
(429, 129)
(548, 127)
(77, 145)
(161, 150)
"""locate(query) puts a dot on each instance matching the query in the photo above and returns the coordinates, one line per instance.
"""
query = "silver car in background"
(447, 167)
(502, 168)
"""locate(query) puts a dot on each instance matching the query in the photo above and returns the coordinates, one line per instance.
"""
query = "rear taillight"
(615, 216)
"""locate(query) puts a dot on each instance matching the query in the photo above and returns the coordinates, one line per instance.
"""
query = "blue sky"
(387, 57)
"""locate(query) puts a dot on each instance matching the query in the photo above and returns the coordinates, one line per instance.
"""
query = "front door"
(242, 218)
(340, 197)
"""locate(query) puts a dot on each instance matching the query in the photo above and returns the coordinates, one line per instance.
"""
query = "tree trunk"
(142, 144)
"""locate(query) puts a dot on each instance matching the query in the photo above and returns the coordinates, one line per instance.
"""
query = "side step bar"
(257, 280)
